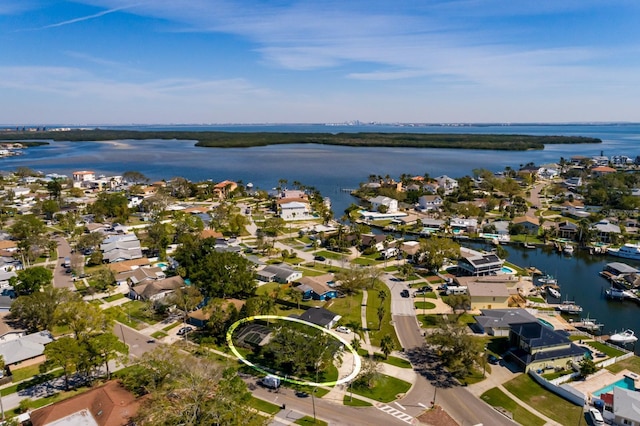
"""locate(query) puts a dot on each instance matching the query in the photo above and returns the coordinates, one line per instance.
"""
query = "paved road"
(138, 343)
(60, 278)
(332, 412)
(463, 406)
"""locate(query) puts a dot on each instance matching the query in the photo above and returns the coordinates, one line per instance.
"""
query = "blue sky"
(209, 61)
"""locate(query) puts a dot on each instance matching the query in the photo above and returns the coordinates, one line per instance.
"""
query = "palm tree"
(382, 295)
(381, 312)
(295, 296)
(387, 345)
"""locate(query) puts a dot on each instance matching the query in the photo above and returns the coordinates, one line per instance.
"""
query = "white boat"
(570, 308)
(589, 324)
(628, 251)
(553, 292)
(568, 249)
(548, 279)
(623, 338)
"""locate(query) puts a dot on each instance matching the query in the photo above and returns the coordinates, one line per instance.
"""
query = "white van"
(596, 417)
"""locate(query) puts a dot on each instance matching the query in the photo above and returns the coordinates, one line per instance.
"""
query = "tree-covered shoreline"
(513, 142)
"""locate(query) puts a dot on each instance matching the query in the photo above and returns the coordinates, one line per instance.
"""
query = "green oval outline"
(357, 361)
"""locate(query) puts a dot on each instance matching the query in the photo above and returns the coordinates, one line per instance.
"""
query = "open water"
(332, 168)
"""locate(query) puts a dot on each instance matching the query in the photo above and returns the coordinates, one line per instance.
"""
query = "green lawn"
(386, 389)
(631, 364)
(393, 360)
(308, 420)
(608, 350)
(348, 307)
(430, 321)
(373, 301)
(355, 402)
(114, 297)
(159, 335)
(264, 406)
(20, 374)
(134, 314)
(496, 398)
(548, 403)
(330, 254)
(364, 261)
(424, 305)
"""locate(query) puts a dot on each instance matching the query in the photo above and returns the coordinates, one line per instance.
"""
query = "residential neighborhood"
(106, 278)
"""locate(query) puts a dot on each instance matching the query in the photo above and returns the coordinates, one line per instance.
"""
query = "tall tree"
(37, 311)
(186, 299)
(457, 349)
(106, 347)
(434, 251)
(31, 280)
(66, 353)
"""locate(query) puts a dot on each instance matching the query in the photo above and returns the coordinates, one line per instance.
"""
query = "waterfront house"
(573, 182)
(498, 322)
(281, 273)
(473, 262)
(536, 346)
(600, 160)
(530, 224)
(430, 226)
(430, 202)
(317, 288)
(320, 316)
(606, 231)
(488, 292)
(469, 225)
(81, 176)
(602, 170)
(295, 210)
(108, 405)
(381, 203)
(223, 189)
(567, 230)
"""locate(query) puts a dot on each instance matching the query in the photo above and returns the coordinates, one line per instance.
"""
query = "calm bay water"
(332, 168)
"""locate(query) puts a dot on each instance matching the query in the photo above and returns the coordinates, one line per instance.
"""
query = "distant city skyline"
(119, 62)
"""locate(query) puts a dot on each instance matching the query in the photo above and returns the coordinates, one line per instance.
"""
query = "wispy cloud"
(86, 18)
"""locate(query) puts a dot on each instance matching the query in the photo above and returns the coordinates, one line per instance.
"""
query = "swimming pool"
(626, 383)
(507, 270)
(545, 323)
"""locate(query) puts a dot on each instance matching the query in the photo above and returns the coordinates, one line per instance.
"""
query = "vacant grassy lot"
(496, 398)
(549, 404)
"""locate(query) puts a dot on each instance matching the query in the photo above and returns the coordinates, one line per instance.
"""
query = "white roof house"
(24, 348)
(390, 203)
(294, 210)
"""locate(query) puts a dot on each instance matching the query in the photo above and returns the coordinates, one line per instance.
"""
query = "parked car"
(596, 417)
(343, 329)
(185, 330)
(405, 293)
(426, 288)
(419, 293)
(493, 359)
(319, 258)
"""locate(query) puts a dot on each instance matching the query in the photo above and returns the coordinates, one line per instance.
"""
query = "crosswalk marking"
(397, 414)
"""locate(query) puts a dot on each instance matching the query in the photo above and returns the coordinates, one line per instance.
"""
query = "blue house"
(317, 288)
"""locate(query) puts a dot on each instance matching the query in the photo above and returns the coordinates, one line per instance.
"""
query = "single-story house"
(530, 224)
(282, 274)
(107, 405)
(497, 322)
(25, 350)
(199, 317)
(9, 245)
(320, 316)
(317, 288)
(156, 289)
(129, 265)
(5, 277)
(464, 224)
(488, 292)
(117, 248)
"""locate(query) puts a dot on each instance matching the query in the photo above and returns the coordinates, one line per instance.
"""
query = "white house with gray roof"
(279, 273)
